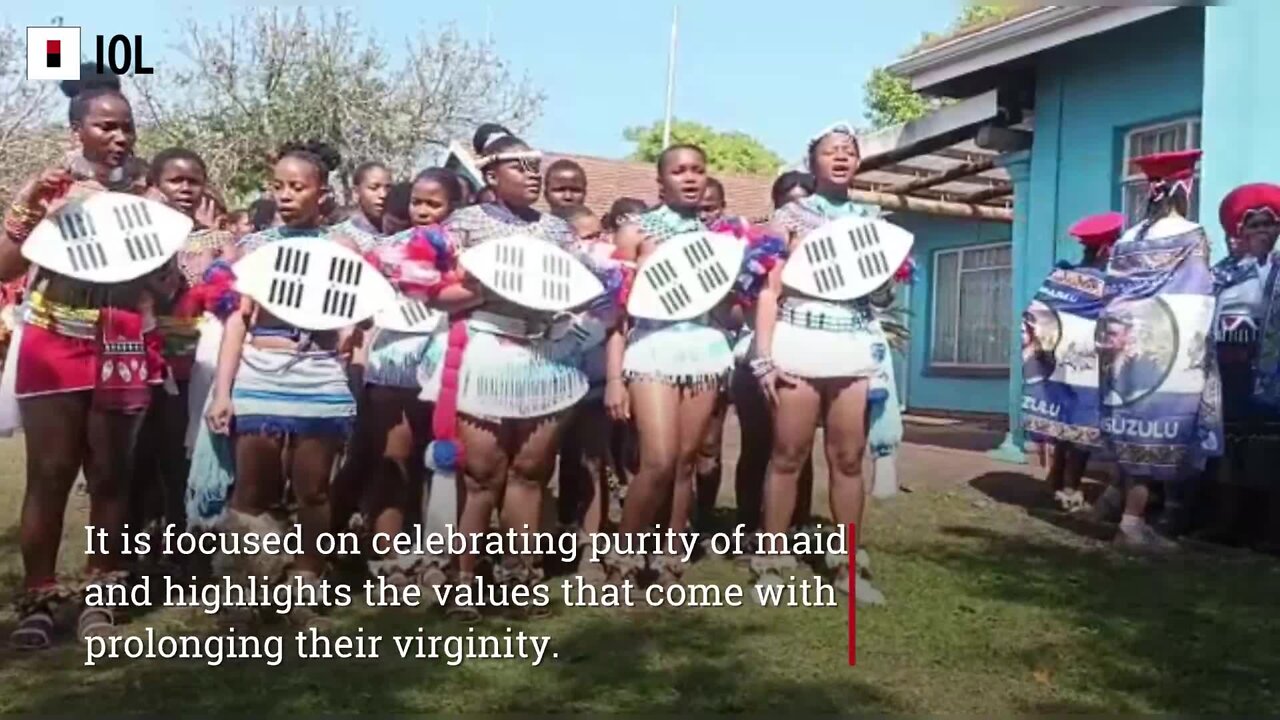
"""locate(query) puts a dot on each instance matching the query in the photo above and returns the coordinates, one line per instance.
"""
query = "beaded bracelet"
(20, 221)
(761, 367)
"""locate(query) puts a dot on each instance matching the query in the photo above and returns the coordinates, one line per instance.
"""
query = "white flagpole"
(671, 76)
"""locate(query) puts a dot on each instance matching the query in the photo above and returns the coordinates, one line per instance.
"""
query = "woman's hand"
(770, 379)
(616, 400)
(219, 414)
(206, 214)
(48, 186)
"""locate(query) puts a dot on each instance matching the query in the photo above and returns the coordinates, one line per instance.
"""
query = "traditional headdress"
(1245, 201)
(1098, 231)
(844, 127)
(1168, 171)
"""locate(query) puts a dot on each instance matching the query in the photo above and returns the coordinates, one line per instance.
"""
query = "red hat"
(1169, 166)
(1245, 200)
(1098, 231)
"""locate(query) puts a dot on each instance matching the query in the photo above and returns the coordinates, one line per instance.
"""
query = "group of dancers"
(186, 402)
(1149, 356)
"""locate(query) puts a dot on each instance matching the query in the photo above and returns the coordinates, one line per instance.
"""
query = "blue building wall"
(1088, 95)
(925, 390)
(1241, 105)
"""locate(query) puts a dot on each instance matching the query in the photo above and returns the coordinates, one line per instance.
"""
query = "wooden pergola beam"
(932, 207)
(989, 194)
(953, 173)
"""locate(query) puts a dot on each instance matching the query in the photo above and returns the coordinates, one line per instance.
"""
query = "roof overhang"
(946, 163)
(931, 70)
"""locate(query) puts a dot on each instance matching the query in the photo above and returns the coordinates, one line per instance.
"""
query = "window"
(1182, 134)
(972, 297)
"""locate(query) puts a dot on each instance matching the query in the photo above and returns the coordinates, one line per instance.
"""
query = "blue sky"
(776, 70)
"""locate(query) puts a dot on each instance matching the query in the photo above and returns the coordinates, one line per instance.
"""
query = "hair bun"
(487, 134)
(90, 79)
(322, 151)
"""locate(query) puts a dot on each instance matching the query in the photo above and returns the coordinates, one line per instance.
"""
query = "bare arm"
(233, 336)
(29, 206)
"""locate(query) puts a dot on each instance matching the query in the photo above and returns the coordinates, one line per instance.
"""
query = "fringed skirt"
(816, 339)
(289, 392)
(509, 378)
(687, 354)
(398, 359)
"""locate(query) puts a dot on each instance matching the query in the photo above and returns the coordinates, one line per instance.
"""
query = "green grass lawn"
(993, 611)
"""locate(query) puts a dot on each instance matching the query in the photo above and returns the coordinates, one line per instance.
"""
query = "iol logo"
(53, 53)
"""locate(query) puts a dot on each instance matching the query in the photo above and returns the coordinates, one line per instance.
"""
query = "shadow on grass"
(1189, 633)
(656, 662)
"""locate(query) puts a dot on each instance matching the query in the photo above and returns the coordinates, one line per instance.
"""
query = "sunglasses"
(529, 162)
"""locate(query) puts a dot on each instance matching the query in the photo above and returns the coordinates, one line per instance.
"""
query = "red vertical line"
(853, 595)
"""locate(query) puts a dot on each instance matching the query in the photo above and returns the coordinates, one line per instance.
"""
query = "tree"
(269, 77)
(727, 152)
(890, 99)
(29, 139)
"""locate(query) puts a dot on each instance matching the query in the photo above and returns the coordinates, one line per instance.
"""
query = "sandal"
(767, 570)
(35, 610)
(461, 613)
(34, 632)
(95, 622)
(100, 621)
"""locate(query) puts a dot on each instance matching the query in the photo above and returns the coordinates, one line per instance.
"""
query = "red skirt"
(53, 363)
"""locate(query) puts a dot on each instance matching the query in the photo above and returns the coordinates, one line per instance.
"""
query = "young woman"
(280, 392)
(816, 361)
(181, 180)
(622, 212)
(755, 417)
(396, 217)
(665, 376)
(566, 187)
(372, 182)
(73, 420)
(508, 437)
(586, 450)
(393, 428)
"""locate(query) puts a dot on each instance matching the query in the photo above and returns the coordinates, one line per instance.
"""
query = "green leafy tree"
(271, 76)
(727, 152)
(890, 99)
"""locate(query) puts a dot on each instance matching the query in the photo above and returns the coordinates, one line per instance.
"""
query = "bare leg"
(485, 479)
(656, 409)
(259, 483)
(845, 443)
(697, 409)
(54, 428)
(313, 459)
(709, 468)
(396, 451)
(108, 469)
(533, 460)
(794, 423)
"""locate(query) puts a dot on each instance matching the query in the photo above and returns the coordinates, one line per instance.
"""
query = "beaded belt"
(65, 320)
(818, 320)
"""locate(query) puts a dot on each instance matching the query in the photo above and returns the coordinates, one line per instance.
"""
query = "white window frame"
(955, 301)
(1130, 175)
